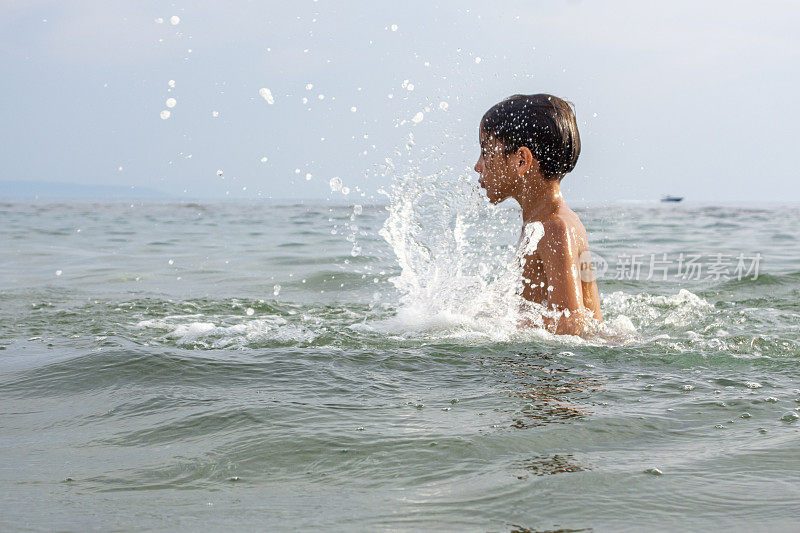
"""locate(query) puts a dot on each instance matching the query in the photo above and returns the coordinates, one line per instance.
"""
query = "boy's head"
(537, 128)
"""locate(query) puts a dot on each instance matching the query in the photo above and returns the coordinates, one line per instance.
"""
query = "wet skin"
(558, 274)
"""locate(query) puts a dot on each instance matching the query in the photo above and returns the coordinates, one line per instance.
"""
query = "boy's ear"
(525, 161)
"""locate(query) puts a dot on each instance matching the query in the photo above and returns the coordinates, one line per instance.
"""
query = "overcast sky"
(690, 98)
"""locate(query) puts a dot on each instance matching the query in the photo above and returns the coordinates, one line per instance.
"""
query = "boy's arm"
(564, 290)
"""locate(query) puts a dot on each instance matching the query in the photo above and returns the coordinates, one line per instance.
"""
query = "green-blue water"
(263, 366)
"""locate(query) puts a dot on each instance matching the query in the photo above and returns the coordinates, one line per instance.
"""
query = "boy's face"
(497, 176)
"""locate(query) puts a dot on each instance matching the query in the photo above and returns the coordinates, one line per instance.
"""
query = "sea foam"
(187, 331)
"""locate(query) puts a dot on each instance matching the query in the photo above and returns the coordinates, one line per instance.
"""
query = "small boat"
(669, 198)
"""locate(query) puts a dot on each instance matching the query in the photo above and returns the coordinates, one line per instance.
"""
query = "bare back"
(559, 273)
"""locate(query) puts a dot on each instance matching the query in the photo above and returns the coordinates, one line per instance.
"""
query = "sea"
(356, 363)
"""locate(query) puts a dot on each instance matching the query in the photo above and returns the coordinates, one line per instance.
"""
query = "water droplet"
(249, 311)
(171, 262)
(165, 114)
(478, 60)
(418, 118)
(171, 83)
(308, 176)
(219, 172)
(264, 159)
(394, 27)
(171, 102)
(215, 114)
(266, 94)
(309, 86)
(357, 209)
(353, 109)
(336, 184)
(58, 272)
(443, 106)
(345, 190)
(276, 290)
(175, 20)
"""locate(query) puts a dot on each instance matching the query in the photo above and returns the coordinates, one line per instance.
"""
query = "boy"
(528, 143)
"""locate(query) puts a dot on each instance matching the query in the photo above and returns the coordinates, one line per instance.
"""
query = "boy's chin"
(495, 199)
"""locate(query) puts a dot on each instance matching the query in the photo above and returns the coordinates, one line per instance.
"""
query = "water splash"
(459, 274)
(461, 260)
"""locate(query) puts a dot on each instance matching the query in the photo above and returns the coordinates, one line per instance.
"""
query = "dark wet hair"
(542, 122)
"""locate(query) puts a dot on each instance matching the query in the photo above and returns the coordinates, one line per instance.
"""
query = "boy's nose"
(479, 167)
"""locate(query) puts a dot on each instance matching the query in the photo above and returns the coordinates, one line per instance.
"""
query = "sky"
(684, 98)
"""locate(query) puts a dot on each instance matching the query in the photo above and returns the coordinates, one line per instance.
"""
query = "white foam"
(186, 330)
(681, 309)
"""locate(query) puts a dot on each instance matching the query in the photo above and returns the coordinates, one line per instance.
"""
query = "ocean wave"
(189, 332)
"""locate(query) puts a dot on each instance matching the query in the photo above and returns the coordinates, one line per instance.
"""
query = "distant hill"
(18, 190)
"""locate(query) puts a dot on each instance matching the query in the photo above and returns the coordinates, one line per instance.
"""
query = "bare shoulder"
(556, 224)
(563, 234)
(565, 223)
(557, 229)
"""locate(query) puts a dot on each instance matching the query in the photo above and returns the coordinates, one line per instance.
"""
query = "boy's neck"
(539, 199)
